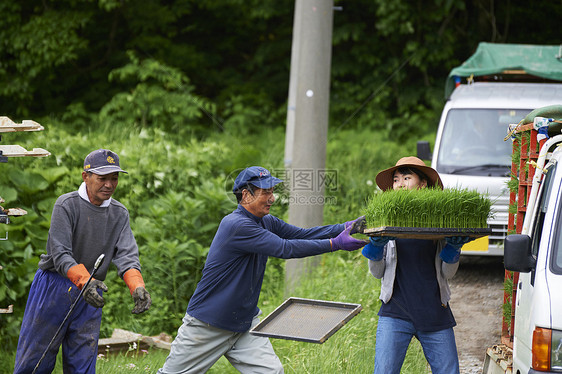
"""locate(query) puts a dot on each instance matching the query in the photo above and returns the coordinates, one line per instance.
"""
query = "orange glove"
(78, 275)
(133, 279)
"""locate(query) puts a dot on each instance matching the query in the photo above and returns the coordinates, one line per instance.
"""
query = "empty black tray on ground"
(306, 320)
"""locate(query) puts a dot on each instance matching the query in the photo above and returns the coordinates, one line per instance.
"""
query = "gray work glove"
(357, 225)
(142, 300)
(91, 295)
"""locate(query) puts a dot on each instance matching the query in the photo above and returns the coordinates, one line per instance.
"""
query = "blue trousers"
(392, 341)
(49, 301)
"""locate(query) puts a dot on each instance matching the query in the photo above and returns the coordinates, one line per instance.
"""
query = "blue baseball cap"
(257, 176)
(102, 162)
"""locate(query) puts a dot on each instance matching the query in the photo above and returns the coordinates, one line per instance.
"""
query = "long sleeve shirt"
(228, 293)
(385, 269)
(81, 231)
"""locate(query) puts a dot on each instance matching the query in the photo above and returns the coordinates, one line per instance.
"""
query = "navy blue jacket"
(228, 292)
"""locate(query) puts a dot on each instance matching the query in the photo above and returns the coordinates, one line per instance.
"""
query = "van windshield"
(472, 141)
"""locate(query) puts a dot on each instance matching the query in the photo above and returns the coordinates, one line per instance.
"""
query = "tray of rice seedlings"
(428, 213)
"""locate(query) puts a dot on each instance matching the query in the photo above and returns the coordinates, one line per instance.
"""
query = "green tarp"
(544, 61)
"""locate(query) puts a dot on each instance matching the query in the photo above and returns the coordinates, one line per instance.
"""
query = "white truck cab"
(498, 85)
(537, 254)
(470, 150)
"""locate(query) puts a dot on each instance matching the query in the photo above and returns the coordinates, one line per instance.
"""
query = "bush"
(175, 195)
(177, 191)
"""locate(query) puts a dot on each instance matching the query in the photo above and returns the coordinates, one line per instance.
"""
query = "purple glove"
(346, 242)
(357, 226)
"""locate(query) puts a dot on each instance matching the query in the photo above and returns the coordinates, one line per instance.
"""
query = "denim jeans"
(394, 336)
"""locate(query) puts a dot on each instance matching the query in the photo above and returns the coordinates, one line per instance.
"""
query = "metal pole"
(307, 120)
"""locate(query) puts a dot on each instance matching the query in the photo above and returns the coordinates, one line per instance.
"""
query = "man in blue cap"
(84, 224)
(224, 306)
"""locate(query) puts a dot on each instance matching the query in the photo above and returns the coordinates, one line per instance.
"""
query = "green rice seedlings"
(513, 183)
(516, 152)
(428, 207)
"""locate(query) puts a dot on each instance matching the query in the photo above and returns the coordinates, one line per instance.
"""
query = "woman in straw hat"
(414, 287)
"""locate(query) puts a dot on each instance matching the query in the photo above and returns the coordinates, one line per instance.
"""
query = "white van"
(470, 151)
(537, 254)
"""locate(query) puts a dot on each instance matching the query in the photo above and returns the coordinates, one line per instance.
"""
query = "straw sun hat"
(385, 178)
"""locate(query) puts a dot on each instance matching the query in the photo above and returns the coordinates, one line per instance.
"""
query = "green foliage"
(513, 183)
(33, 191)
(161, 94)
(341, 277)
(356, 156)
(177, 191)
(386, 68)
(176, 195)
(507, 305)
(134, 360)
(520, 161)
(40, 43)
(428, 207)
(189, 92)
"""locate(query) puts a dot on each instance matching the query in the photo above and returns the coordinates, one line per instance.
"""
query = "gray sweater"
(80, 231)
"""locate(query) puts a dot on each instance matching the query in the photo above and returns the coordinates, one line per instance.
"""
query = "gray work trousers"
(199, 345)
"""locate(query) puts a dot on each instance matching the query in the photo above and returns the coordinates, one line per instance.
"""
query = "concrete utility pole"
(307, 120)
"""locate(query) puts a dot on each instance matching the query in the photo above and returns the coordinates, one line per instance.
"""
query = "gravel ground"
(476, 301)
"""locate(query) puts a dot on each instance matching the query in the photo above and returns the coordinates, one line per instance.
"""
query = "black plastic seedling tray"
(426, 232)
(306, 320)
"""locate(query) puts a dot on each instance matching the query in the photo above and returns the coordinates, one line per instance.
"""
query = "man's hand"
(133, 279)
(91, 295)
(142, 300)
(346, 242)
(357, 226)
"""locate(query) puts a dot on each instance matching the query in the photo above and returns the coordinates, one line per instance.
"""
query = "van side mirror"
(517, 254)
(423, 150)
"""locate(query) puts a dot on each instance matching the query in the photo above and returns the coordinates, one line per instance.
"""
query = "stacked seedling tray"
(428, 213)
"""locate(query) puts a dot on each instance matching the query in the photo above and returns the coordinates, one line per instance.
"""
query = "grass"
(132, 362)
(428, 207)
(341, 277)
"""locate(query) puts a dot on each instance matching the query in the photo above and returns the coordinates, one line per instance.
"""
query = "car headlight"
(547, 349)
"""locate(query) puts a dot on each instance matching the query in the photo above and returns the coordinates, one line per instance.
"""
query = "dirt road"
(476, 302)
